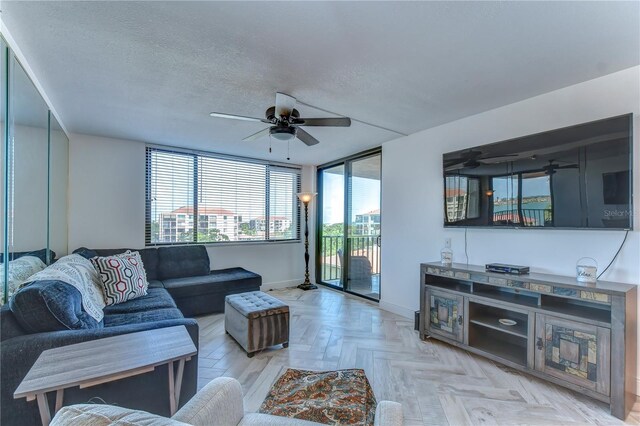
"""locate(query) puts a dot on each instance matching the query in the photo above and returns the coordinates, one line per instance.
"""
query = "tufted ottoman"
(256, 320)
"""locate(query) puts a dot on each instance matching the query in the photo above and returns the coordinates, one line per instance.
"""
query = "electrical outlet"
(447, 243)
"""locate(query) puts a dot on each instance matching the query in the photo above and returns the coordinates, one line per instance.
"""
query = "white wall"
(412, 193)
(107, 210)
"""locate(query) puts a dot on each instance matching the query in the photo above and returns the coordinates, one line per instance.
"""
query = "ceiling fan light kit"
(286, 122)
(282, 133)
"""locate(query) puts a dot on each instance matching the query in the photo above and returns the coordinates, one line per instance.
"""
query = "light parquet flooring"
(436, 383)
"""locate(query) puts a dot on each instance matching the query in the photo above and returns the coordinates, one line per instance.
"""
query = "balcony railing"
(530, 217)
(330, 262)
(332, 254)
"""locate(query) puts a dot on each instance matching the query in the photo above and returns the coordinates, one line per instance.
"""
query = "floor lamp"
(306, 198)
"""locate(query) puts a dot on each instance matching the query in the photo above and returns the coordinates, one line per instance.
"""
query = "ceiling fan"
(552, 167)
(285, 121)
(471, 159)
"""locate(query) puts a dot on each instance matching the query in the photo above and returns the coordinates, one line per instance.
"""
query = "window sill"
(230, 243)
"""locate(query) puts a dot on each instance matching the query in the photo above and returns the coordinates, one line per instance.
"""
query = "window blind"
(195, 197)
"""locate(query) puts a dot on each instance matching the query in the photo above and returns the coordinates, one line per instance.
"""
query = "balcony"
(364, 263)
(530, 217)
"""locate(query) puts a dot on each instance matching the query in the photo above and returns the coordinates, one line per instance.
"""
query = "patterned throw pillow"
(123, 276)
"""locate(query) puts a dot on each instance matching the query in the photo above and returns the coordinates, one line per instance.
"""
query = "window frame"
(296, 170)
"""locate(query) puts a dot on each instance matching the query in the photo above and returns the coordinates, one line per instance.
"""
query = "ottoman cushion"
(256, 304)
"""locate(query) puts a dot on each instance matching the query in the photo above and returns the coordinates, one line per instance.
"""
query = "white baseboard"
(281, 284)
(396, 309)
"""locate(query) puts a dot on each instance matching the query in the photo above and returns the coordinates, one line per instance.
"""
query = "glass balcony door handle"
(379, 240)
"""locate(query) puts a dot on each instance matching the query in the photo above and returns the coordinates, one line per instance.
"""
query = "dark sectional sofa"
(185, 272)
(180, 284)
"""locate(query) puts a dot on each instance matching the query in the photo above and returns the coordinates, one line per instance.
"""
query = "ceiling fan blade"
(239, 117)
(284, 104)
(334, 122)
(492, 157)
(306, 137)
(451, 163)
(453, 167)
(497, 159)
(257, 135)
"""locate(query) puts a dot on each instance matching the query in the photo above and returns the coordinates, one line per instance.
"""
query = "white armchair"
(219, 403)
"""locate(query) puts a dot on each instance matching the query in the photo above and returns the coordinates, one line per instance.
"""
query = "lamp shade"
(306, 197)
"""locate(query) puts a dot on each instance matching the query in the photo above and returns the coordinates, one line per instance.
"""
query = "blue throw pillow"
(50, 306)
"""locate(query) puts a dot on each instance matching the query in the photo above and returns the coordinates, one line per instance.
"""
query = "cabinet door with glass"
(445, 314)
(573, 351)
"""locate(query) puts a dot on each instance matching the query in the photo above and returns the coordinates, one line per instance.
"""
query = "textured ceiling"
(152, 71)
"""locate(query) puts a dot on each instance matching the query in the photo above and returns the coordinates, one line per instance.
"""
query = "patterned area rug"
(342, 397)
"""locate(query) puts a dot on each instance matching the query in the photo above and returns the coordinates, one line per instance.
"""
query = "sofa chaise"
(185, 272)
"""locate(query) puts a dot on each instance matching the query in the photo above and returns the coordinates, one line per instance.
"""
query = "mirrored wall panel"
(29, 189)
(58, 183)
(34, 179)
(3, 164)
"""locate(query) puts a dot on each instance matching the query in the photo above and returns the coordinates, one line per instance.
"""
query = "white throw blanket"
(78, 272)
(19, 271)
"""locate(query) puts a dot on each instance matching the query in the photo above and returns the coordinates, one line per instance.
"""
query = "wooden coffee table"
(106, 360)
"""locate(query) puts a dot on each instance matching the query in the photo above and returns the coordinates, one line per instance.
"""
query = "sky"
(508, 188)
(365, 198)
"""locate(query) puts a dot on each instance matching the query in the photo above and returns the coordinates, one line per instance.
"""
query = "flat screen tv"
(575, 177)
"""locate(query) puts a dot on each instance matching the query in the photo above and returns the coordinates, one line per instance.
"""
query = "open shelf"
(511, 295)
(489, 316)
(577, 308)
(506, 346)
(517, 329)
(449, 284)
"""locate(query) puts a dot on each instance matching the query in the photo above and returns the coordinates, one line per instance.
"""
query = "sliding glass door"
(349, 240)
(363, 230)
(332, 225)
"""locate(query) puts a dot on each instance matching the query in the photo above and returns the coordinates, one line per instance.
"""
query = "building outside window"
(233, 199)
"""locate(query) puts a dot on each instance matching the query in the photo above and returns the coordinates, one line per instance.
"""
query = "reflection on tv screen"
(574, 177)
